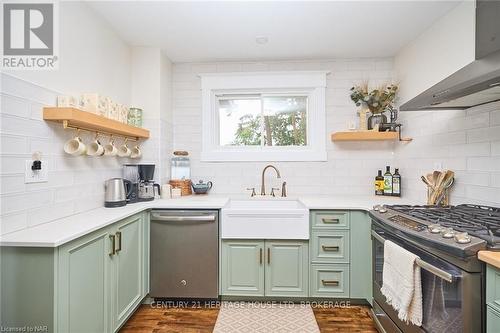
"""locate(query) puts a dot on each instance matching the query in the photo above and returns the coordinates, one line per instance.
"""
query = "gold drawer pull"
(331, 221)
(119, 238)
(330, 248)
(330, 283)
(113, 245)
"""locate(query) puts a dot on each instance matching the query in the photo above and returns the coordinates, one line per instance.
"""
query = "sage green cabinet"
(90, 284)
(127, 266)
(286, 272)
(341, 255)
(361, 281)
(264, 268)
(242, 267)
(84, 284)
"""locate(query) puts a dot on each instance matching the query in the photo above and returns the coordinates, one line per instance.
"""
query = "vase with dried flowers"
(377, 101)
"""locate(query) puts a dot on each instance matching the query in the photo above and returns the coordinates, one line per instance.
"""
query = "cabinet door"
(286, 268)
(127, 268)
(242, 267)
(84, 284)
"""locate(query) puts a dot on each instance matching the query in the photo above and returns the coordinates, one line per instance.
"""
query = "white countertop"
(61, 231)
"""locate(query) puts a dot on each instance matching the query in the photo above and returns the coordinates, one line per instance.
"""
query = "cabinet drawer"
(330, 280)
(330, 220)
(493, 287)
(330, 246)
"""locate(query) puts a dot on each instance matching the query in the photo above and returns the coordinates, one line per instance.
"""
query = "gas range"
(457, 230)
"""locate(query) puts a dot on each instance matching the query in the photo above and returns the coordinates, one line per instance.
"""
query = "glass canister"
(180, 166)
(134, 117)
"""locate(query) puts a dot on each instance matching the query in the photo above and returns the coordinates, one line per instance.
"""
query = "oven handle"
(423, 264)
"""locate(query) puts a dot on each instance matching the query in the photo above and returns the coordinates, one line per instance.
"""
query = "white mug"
(110, 149)
(75, 147)
(135, 152)
(166, 191)
(95, 148)
(124, 151)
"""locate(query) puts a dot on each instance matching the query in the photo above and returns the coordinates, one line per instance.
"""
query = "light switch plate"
(36, 176)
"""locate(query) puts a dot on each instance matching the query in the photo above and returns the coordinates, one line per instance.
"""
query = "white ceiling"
(225, 31)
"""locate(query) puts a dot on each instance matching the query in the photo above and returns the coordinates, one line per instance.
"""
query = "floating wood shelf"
(364, 136)
(72, 117)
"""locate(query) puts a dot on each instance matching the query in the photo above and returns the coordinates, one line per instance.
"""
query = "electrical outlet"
(36, 176)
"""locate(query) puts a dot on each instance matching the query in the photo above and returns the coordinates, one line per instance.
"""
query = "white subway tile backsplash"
(466, 141)
(15, 106)
(488, 164)
(49, 213)
(75, 183)
(485, 134)
(13, 222)
(19, 202)
(12, 144)
(495, 148)
(495, 118)
(12, 184)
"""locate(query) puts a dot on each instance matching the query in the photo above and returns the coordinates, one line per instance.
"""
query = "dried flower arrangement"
(378, 100)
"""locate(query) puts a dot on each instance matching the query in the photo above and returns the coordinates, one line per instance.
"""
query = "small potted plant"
(377, 101)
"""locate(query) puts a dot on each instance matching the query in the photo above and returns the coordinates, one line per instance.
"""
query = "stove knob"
(435, 228)
(462, 238)
(448, 233)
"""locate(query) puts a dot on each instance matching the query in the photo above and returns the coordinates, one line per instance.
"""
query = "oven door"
(448, 306)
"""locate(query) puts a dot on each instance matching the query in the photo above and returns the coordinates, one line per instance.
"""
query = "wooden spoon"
(435, 176)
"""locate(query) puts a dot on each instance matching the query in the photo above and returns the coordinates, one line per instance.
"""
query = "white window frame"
(300, 83)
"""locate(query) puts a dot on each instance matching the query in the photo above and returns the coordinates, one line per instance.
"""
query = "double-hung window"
(264, 116)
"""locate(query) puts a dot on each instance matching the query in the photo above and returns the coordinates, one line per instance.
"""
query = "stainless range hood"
(477, 83)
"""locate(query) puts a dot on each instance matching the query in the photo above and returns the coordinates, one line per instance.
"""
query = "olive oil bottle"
(379, 184)
(388, 181)
(396, 183)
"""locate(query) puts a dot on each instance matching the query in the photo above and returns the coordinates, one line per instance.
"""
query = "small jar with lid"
(180, 168)
(134, 117)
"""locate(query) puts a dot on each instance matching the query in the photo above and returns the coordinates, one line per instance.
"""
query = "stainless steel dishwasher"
(184, 254)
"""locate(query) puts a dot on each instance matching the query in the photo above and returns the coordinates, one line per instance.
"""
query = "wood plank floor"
(202, 320)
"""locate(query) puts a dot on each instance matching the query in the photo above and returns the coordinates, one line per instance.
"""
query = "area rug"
(239, 317)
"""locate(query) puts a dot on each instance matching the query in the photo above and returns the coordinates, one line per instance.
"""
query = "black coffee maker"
(131, 173)
(146, 183)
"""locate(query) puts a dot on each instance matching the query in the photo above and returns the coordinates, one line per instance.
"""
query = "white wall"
(151, 90)
(467, 142)
(92, 57)
(351, 166)
(441, 50)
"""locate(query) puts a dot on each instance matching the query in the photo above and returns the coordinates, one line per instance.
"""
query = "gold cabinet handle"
(119, 238)
(260, 256)
(330, 283)
(330, 248)
(331, 221)
(113, 244)
(268, 255)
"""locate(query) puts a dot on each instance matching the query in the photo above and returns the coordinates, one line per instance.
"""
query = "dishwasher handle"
(182, 218)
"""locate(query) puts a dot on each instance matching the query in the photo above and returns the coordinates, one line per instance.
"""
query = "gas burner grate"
(479, 221)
